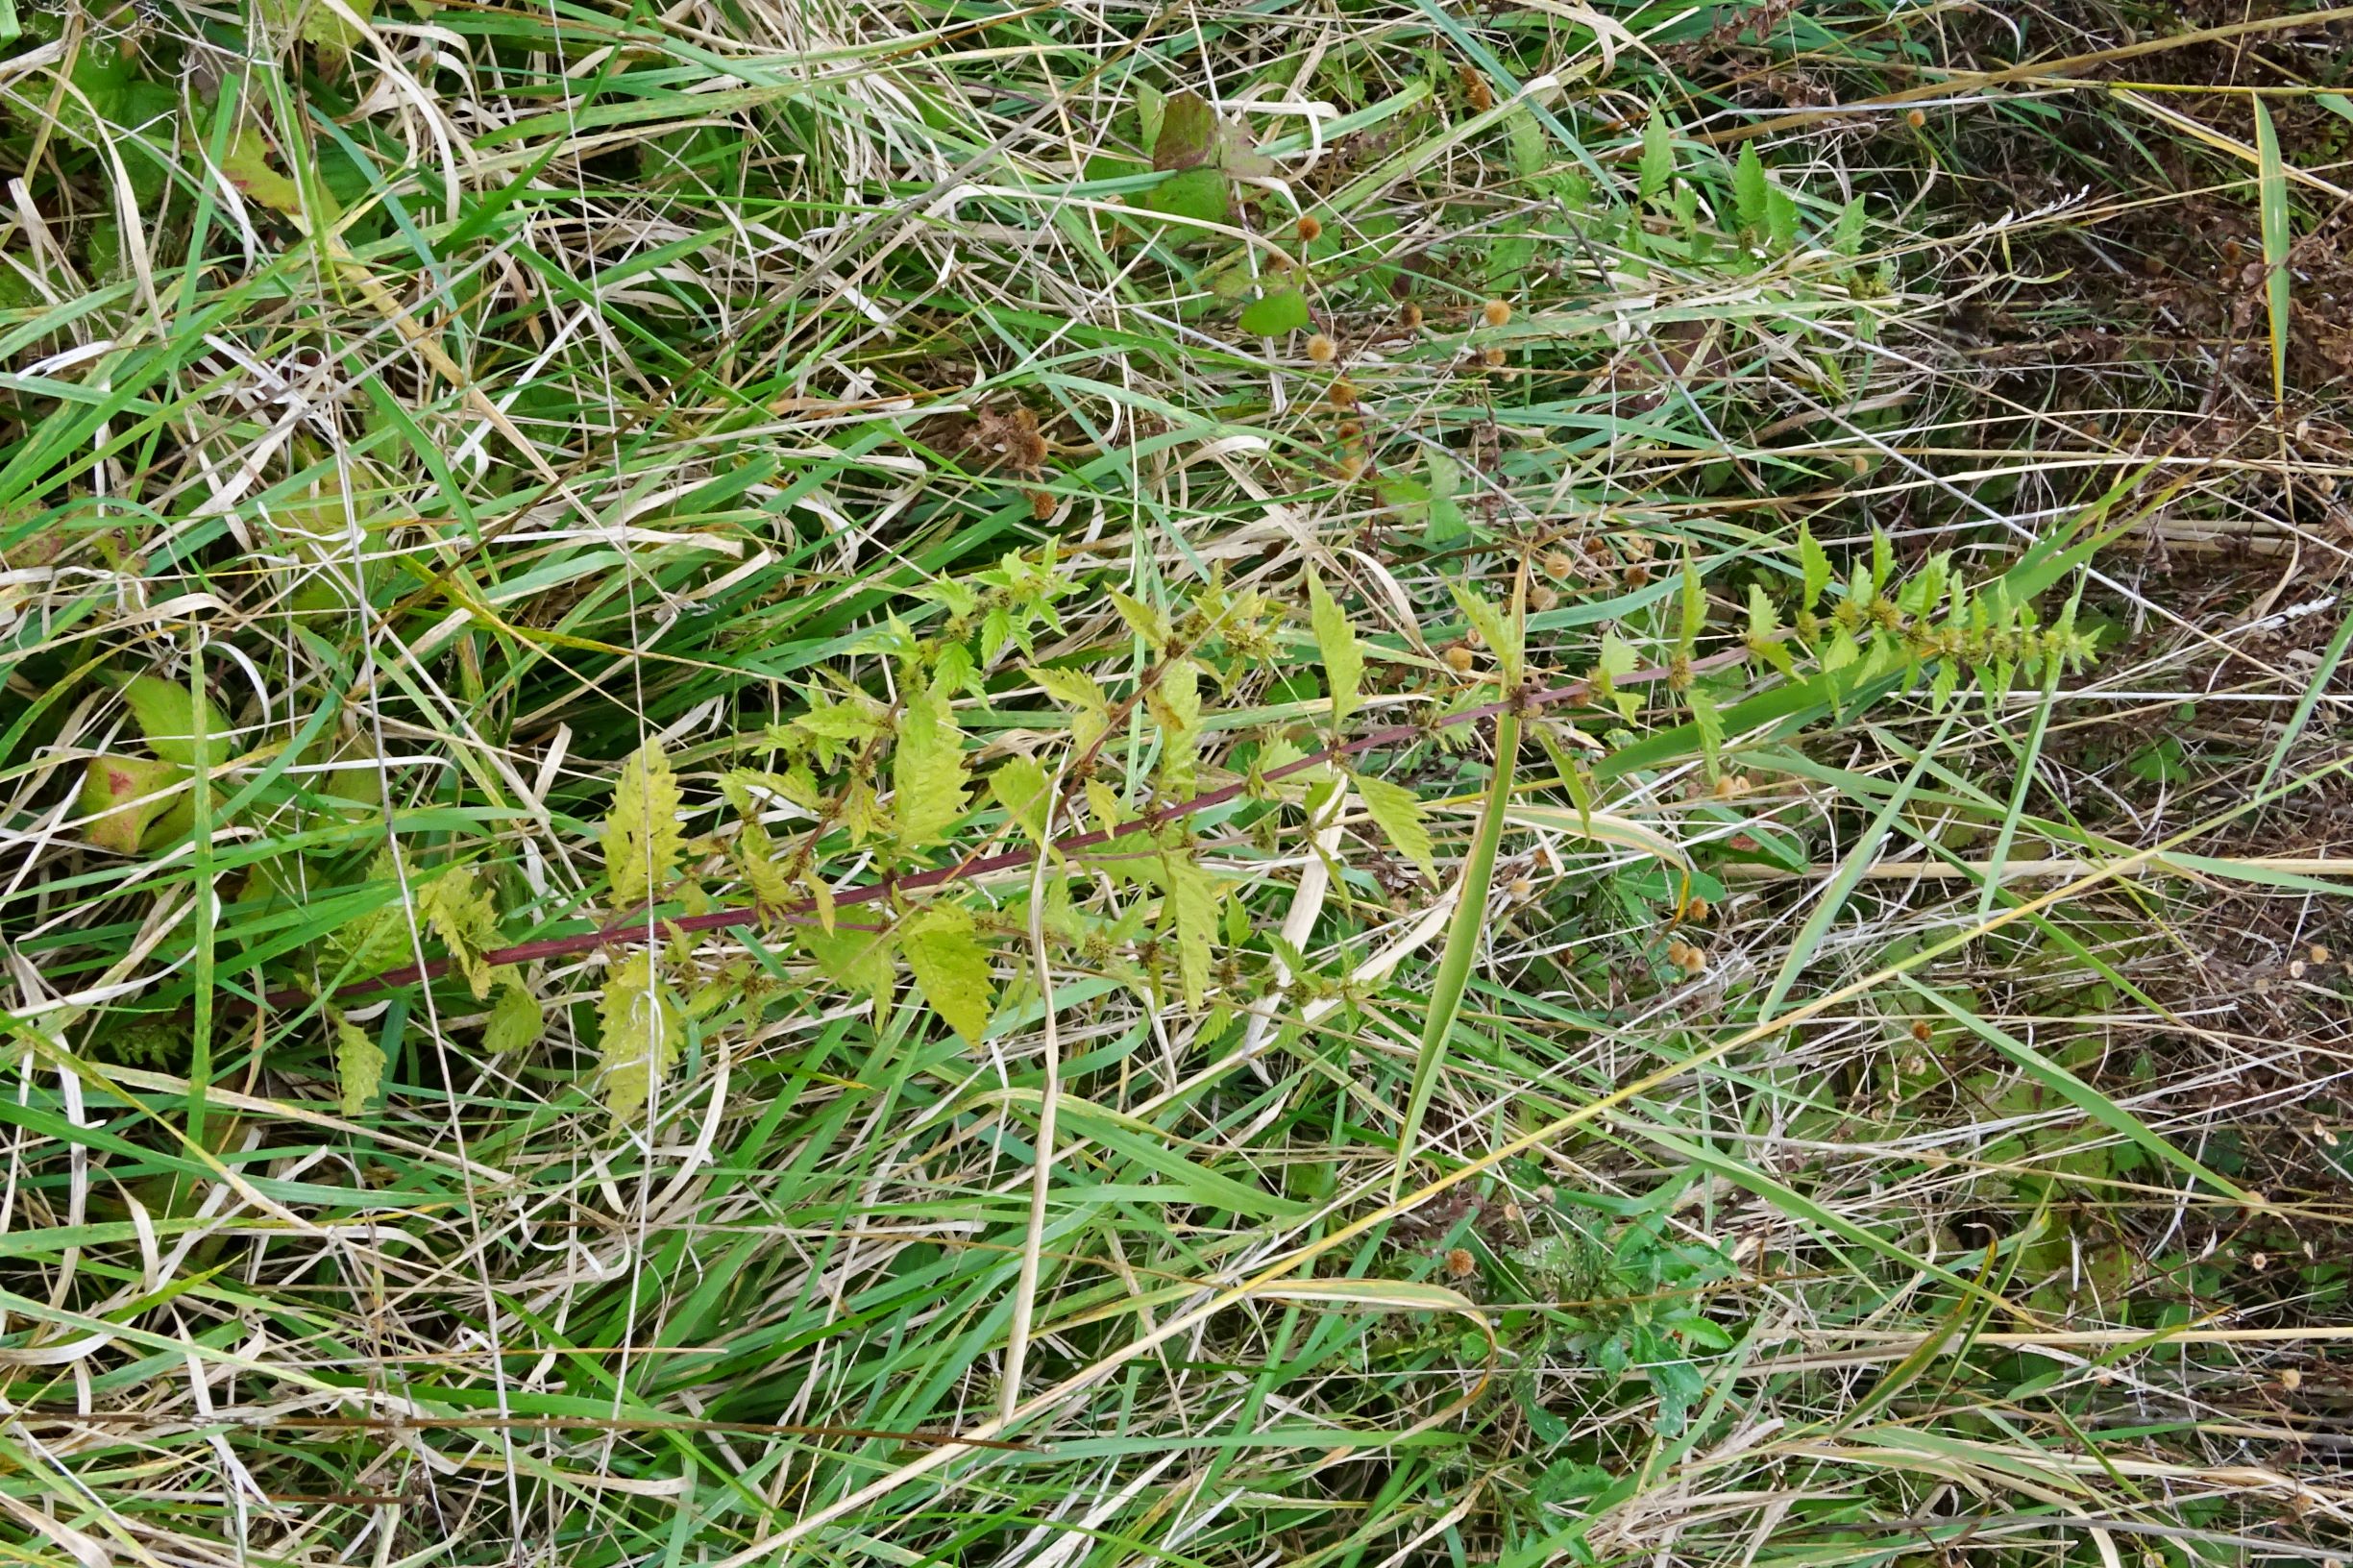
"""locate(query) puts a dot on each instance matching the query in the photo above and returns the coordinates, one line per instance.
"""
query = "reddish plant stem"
(1576, 691)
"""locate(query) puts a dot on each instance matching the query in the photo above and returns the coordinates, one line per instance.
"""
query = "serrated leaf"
(1271, 315)
(1335, 640)
(1694, 608)
(1815, 563)
(516, 1019)
(952, 968)
(458, 909)
(638, 1044)
(1711, 726)
(1176, 703)
(1883, 559)
(1492, 629)
(1618, 658)
(1846, 238)
(169, 715)
(1749, 186)
(1193, 898)
(1188, 131)
(1780, 218)
(927, 770)
(1147, 622)
(641, 835)
(1397, 810)
(1658, 168)
(1020, 786)
(359, 1067)
(124, 797)
(753, 851)
(1090, 710)
(857, 961)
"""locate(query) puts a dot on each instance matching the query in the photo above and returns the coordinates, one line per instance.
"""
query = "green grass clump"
(1349, 784)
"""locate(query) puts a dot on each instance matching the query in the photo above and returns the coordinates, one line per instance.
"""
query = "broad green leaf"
(463, 914)
(641, 835)
(1335, 640)
(245, 162)
(516, 1018)
(359, 1067)
(1815, 562)
(1273, 314)
(927, 770)
(854, 960)
(124, 797)
(1398, 812)
(640, 1038)
(1658, 168)
(1193, 195)
(1147, 622)
(169, 717)
(1492, 629)
(1020, 785)
(952, 968)
(1749, 191)
(1188, 131)
(1194, 897)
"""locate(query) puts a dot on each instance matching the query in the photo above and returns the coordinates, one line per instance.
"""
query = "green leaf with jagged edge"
(516, 1018)
(855, 959)
(641, 834)
(1273, 314)
(463, 912)
(639, 1038)
(1397, 810)
(952, 968)
(1748, 190)
(1020, 786)
(1194, 897)
(1656, 171)
(359, 1067)
(1336, 641)
(753, 852)
(927, 770)
(1815, 563)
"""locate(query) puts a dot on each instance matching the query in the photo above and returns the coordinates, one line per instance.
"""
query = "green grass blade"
(1464, 936)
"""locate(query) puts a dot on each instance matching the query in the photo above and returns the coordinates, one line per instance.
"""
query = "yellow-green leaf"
(245, 162)
(360, 1067)
(641, 1036)
(1021, 787)
(642, 838)
(1194, 897)
(1335, 640)
(463, 914)
(927, 770)
(169, 717)
(1398, 812)
(516, 1019)
(854, 960)
(123, 797)
(950, 969)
